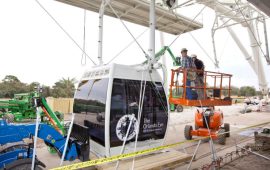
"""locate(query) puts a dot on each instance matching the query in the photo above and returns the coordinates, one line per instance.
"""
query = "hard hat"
(183, 49)
(193, 56)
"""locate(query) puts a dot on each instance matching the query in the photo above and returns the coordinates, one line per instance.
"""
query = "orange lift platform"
(216, 88)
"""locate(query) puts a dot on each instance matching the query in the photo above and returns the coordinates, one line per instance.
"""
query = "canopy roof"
(263, 5)
(137, 11)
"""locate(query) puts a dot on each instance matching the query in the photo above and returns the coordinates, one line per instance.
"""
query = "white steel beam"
(242, 49)
(255, 46)
(152, 26)
(242, 13)
(221, 9)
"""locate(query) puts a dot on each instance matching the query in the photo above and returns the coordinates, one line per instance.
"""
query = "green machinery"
(176, 62)
(22, 107)
(18, 108)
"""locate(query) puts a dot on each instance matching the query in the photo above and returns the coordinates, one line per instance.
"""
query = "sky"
(35, 49)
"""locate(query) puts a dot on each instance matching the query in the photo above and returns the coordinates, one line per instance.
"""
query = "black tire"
(9, 118)
(187, 132)
(12, 147)
(221, 137)
(24, 164)
(227, 129)
(179, 108)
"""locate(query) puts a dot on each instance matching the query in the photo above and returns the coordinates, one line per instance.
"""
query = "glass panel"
(125, 102)
(89, 107)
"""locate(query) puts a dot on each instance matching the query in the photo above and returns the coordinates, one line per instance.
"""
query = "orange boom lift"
(216, 90)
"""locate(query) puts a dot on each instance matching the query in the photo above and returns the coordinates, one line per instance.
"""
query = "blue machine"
(14, 150)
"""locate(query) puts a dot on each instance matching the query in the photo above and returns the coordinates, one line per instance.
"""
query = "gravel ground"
(250, 162)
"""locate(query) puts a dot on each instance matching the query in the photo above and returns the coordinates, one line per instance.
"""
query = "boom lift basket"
(216, 88)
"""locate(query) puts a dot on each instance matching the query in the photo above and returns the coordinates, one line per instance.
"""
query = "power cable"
(198, 43)
(126, 47)
(157, 93)
(146, 55)
(184, 4)
(59, 25)
(141, 101)
(187, 27)
(83, 59)
(135, 39)
(223, 49)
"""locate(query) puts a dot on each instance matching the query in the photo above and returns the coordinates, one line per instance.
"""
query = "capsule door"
(89, 108)
(125, 101)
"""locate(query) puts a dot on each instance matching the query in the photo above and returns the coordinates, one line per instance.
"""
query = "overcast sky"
(33, 48)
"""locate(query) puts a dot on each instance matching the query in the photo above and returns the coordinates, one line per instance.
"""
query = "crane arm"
(176, 60)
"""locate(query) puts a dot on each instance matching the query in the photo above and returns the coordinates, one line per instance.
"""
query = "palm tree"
(64, 87)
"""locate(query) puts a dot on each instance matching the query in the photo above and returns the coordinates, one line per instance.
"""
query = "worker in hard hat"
(187, 64)
(199, 81)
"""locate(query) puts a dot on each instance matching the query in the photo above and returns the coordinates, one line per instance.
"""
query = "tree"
(234, 91)
(64, 88)
(247, 91)
(11, 85)
(46, 91)
(11, 79)
(32, 86)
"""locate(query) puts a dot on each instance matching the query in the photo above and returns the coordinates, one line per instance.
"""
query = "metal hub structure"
(235, 12)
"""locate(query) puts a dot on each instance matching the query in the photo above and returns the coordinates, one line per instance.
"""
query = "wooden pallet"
(155, 161)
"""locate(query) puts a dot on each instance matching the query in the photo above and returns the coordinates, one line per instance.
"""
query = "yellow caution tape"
(128, 155)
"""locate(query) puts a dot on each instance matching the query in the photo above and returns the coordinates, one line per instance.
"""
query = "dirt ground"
(175, 134)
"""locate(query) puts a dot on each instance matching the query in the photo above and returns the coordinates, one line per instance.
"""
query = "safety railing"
(196, 87)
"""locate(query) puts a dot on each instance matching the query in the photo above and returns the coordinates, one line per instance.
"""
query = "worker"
(199, 81)
(187, 64)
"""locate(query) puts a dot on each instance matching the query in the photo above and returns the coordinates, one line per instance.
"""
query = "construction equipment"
(176, 62)
(216, 88)
(15, 153)
(56, 119)
(208, 121)
(158, 55)
(21, 107)
(18, 108)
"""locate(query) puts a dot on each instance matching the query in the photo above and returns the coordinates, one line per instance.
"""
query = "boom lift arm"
(53, 119)
(176, 60)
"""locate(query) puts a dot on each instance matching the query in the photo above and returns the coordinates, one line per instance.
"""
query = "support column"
(152, 26)
(100, 27)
